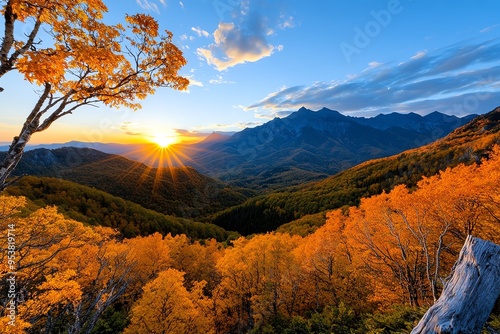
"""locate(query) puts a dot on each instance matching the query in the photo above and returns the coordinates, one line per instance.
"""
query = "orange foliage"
(327, 259)
(407, 241)
(394, 247)
(84, 58)
(167, 307)
(261, 278)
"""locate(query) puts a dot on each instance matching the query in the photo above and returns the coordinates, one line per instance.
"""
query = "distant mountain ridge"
(111, 148)
(304, 146)
(309, 145)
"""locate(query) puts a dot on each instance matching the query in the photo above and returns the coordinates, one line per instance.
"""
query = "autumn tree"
(67, 274)
(332, 272)
(166, 306)
(150, 255)
(78, 60)
(401, 244)
(196, 261)
(261, 280)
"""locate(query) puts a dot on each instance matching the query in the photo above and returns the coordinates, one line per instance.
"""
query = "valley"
(303, 167)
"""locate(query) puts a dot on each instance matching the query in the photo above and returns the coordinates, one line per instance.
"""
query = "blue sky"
(252, 60)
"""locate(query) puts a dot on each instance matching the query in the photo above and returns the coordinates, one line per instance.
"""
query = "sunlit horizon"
(165, 139)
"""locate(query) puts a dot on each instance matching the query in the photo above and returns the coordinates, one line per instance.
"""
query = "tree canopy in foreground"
(77, 59)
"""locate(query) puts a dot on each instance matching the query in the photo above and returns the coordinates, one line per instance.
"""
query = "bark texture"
(469, 295)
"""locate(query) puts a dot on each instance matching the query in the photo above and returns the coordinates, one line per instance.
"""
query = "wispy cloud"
(220, 80)
(150, 5)
(286, 22)
(489, 28)
(193, 81)
(132, 129)
(190, 135)
(227, 127)
(200, 32)
(461, 76)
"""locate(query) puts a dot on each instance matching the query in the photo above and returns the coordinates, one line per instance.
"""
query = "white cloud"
(374, 64)
(242, 37)
(286, 22)
(220, 80)
(193, 81)
(228, 127)
(200, 32)
(419, 55)
(233, 46)
(489, 28)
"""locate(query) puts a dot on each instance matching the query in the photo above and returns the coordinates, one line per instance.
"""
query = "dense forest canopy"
(393, 248)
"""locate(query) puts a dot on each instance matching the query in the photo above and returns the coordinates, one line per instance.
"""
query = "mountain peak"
(307, 115)
(489, 122)
(325, 110)
(436, 116)
(213, 138)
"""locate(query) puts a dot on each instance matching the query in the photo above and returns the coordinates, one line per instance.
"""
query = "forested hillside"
(95, 207)
(373, 268)
(267, 212)
(179, 191)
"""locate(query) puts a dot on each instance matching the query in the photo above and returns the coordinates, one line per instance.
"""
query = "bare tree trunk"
(469, 296)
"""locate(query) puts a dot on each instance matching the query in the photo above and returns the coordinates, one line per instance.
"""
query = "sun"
(164, 140)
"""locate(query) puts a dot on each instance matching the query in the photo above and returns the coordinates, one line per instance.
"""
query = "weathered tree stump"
(469, 296)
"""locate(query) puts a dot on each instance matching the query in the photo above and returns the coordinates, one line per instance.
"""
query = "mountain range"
(309, 145)
(304, 146)
(301, 208)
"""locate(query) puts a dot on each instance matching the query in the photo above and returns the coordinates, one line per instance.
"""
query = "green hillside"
(179, 191)
(95, 207)
(267, 212)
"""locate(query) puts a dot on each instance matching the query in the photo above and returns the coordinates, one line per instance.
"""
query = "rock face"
(470, 294)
